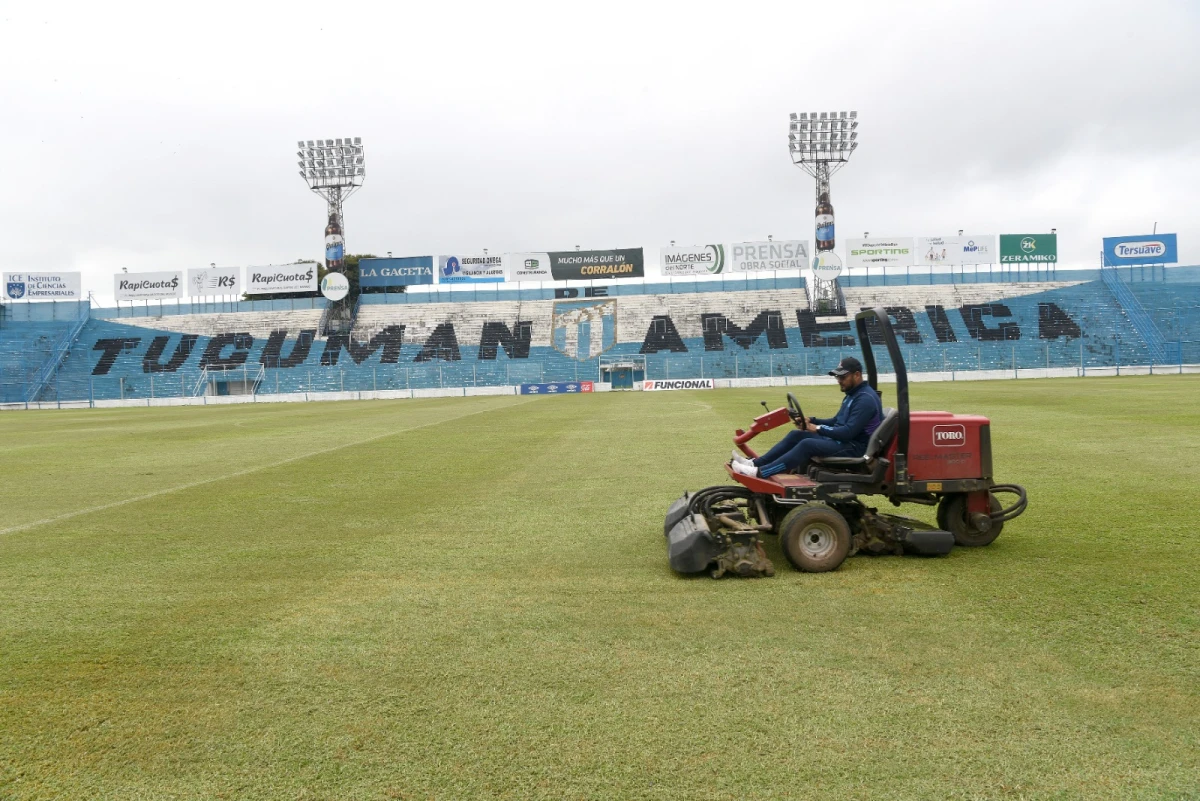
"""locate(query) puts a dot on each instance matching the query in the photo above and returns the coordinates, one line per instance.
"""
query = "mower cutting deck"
(930, 458)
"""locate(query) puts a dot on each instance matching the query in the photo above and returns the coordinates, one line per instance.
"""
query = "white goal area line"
(238, 473)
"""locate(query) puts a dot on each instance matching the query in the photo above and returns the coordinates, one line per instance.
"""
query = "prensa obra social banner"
(148, 286)
(207, 281)
(42, 286)
(698, 260)
(275, 279)
(786, 254)
(1140, 250)
(470, 269)
(403, 271)
(879, 252)
(582, 265)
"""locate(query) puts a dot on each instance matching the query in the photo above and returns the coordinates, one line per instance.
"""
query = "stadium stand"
(505, 338)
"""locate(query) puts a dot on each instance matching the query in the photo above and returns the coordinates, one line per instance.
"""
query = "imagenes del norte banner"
(42, 286)
(1140, 250)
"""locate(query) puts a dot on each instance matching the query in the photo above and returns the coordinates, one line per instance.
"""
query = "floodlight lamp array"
(332, 162)
(823, 136)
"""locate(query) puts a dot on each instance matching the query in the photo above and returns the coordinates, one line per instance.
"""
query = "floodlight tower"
(821, 144)
(334, 169)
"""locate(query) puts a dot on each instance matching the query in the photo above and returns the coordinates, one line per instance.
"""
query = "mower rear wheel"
(952, 517)
(814, 538)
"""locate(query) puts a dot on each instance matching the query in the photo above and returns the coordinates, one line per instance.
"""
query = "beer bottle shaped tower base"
(825, 236)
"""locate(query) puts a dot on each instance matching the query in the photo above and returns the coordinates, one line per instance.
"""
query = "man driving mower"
(845, 434)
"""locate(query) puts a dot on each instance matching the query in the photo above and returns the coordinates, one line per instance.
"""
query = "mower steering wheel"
(794, 410)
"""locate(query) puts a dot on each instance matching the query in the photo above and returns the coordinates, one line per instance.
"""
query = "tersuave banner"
(148, 286)
(470, 269)
(1028, 248)
(278, 278)
(582, 265)
(751, 257)
(405, 271)
(939, 251)
(881, 252)
(213, 281)
(699, 260)
(1140, 250)
(42, 286)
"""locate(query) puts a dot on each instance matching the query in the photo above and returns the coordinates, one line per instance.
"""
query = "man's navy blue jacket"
(857, 418)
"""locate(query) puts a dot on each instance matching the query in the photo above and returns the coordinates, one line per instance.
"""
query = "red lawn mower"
(932, 458)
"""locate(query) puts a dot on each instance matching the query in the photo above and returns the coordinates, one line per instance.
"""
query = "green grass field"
(470, 598)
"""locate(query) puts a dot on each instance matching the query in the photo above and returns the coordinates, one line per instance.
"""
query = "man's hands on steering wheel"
(795, 412)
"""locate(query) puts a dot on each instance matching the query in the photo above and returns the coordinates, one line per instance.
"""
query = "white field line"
(247, 471)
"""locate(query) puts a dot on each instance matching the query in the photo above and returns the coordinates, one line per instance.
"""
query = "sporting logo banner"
(275, 279)
(213, 281)
(699, 260)
(557, 388)
(880, 252)
(404, 271)
(42, 286)
(148, 286)
(582, 265)
(1028, 248)
(751, 257)
(659, 385)
(939, 251)
(1140, 250)
(470, 269)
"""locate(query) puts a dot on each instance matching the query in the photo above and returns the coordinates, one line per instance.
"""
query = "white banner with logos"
(697, 260)
(278, 278)
(939, 251)
(678, 383)
(979, 249)
(148, 286)
(786, 254)
(527, 267)
(879, 252)
(207, 281)
(42, 286)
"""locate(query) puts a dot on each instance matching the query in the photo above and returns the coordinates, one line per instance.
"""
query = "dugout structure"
(622, 372)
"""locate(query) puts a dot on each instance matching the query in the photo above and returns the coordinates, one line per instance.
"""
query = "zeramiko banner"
(577, 265)
(1028, 248)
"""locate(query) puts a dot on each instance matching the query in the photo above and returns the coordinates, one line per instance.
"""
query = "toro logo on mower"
(950, 436)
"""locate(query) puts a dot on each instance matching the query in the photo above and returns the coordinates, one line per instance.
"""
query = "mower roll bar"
(861, 321)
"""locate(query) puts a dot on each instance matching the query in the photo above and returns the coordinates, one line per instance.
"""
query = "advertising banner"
(42, 286)
(148, 286)
(278, 278)
(1028, 248)
(559, 388)
(939, 251)
(470, 269)
(979, 249)
(678, 383)
(1134, 250)
(749, 257)
(527, 267)
(698, 260)
(405, 271)
(826, 265)
(213, 281)
(880, 252)
(582, 265)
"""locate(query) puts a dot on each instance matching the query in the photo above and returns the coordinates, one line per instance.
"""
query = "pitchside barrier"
(665, 385)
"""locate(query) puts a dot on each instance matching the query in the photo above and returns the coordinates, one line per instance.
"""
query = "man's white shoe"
(745, 469)
(736, 456)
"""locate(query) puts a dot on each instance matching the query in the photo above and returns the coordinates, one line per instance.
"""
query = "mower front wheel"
(815, 538)
(952, 516)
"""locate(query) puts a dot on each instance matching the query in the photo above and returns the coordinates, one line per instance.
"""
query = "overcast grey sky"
(162, 136)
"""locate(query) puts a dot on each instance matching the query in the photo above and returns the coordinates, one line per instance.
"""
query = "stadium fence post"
(735, 366)
(1082, 369)
(341, 380)
(152, 386)
(1014, 361)
(702, 367)
(374, 383)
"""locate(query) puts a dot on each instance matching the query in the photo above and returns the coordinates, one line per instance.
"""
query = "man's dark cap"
(847, 366)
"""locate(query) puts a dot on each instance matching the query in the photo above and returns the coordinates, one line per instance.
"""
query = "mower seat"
(880, 439)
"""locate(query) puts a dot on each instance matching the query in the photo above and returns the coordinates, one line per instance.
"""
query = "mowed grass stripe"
(484, 609)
